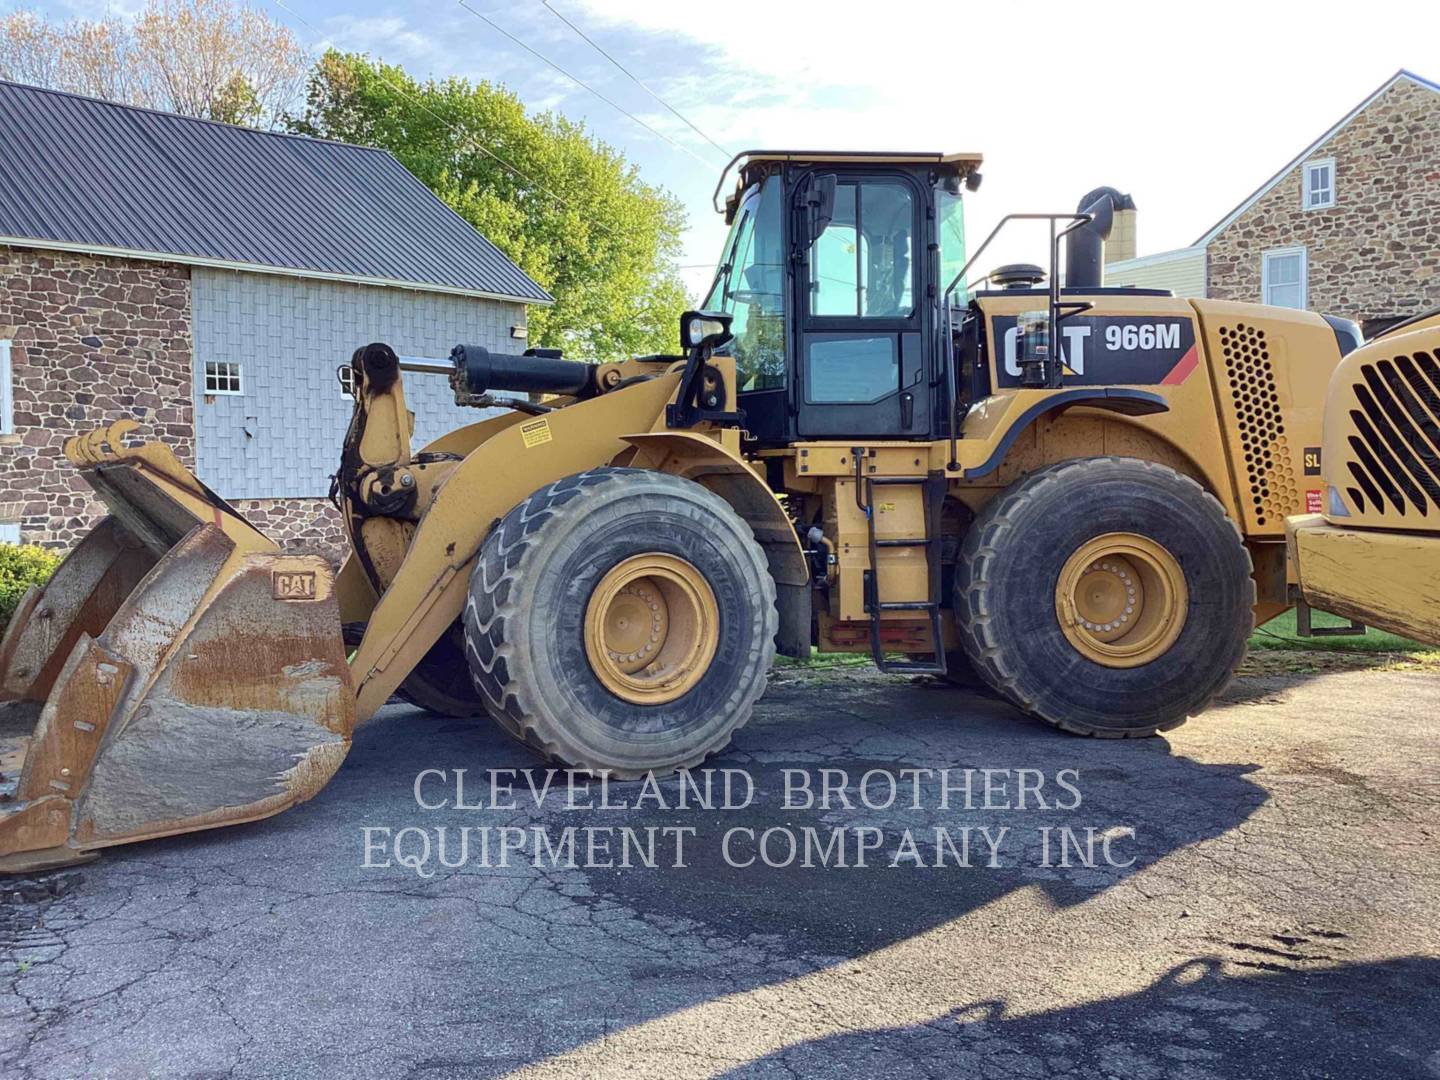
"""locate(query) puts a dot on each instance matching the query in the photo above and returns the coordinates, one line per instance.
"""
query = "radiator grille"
(1395, 436)
(1273, 489)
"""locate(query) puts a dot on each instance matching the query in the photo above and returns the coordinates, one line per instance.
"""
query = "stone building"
(1349, 227)
(208, 281)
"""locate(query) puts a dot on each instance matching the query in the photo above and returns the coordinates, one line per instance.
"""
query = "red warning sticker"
(1314, 504)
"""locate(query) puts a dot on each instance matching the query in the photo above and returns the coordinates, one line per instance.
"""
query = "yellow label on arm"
(535, 433)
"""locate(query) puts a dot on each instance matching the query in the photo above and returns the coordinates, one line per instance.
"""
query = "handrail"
(1053, 369)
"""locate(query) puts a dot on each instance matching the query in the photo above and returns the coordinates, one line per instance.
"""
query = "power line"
(467, 138)
(582, 84)
(633, 78)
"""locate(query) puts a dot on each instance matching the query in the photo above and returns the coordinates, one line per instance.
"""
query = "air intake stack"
(1085, 249)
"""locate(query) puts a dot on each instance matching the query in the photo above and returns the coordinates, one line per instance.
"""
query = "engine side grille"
(1396, 436)
(1274, 492)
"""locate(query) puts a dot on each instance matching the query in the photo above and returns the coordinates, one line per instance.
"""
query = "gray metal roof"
(88, 175)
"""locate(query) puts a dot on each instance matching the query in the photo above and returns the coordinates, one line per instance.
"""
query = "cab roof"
(898, 156)
(962, 163)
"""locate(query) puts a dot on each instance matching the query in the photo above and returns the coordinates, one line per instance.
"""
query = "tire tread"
(498, 593)
(997, 527)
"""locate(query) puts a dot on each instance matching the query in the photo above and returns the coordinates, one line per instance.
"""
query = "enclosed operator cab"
(833, 272)
(844, 276)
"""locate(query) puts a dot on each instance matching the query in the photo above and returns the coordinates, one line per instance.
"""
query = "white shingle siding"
(1182, 272)
(280, 438)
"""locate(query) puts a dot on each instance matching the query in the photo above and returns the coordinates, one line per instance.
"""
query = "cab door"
(860, 364)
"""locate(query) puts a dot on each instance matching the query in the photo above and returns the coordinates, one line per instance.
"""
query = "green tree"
(571, 212)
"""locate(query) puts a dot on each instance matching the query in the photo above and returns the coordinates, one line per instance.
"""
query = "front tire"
(622, 620)
(1105, 596)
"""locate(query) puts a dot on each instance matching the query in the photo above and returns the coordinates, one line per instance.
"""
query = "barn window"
(7, 391)
(222, 377)
(1282, 277)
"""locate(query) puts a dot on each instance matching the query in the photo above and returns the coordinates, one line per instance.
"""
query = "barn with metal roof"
(208, 280)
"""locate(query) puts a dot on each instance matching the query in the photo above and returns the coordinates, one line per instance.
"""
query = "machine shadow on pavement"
(588, 952)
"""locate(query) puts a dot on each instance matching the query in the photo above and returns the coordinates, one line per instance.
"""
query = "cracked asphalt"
(1275, 916)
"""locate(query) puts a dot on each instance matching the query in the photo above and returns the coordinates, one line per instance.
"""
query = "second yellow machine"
(1076, 495)
(1372, 552)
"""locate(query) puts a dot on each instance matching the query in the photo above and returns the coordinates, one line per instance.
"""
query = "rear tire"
(538, 600)
(960, 672)
(441, 682)
(1062, 537)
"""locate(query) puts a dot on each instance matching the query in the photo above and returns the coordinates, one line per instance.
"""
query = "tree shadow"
(1202, 1019)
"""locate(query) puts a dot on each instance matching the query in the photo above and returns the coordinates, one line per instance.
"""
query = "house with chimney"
(1350, 226)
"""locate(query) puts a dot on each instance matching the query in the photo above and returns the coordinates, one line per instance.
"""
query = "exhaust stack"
(1085, 248)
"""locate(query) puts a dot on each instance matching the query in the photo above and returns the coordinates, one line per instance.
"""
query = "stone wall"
(94, 340)
(308, 525)
(1376, 253)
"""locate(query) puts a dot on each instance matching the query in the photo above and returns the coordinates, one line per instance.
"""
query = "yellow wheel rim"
(1121, 600)
(651, 628)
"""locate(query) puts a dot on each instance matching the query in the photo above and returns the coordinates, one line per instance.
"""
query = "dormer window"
(1318, 184)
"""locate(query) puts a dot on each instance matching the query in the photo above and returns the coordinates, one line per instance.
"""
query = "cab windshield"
(750, 285)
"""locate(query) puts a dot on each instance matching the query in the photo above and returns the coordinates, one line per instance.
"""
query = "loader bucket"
(186, 672)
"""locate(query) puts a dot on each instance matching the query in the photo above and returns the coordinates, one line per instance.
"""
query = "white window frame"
(1280, 253)
(233, 368)
(7, 391)
(346, 376)
(9, 532)
(1310, 167)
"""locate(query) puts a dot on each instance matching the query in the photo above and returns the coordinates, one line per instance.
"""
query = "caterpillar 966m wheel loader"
(1074, 494)
(1372, 553)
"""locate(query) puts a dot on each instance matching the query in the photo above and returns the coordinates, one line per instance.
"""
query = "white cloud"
(1187, 107)
(387, 36)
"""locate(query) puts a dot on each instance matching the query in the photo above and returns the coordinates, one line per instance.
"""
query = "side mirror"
(704, 330)
(819, 199)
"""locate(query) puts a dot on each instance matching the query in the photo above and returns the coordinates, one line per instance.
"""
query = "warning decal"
(535, 433)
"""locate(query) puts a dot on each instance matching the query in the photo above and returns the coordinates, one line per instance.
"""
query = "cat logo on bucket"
(293, 584)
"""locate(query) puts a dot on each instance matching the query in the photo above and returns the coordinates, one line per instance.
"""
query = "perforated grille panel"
(1256, 400)
(1395, 438)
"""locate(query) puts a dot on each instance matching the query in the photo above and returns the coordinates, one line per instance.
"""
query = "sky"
(1187, 107)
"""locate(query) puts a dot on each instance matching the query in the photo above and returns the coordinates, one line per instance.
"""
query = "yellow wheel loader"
(1372, 554)
(1076, 495)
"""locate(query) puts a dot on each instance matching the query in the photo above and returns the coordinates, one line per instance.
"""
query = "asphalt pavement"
(905, 880)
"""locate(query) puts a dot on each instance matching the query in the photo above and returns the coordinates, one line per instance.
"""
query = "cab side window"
(861, 265)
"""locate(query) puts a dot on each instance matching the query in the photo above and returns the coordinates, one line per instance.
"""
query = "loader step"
(933, 495)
